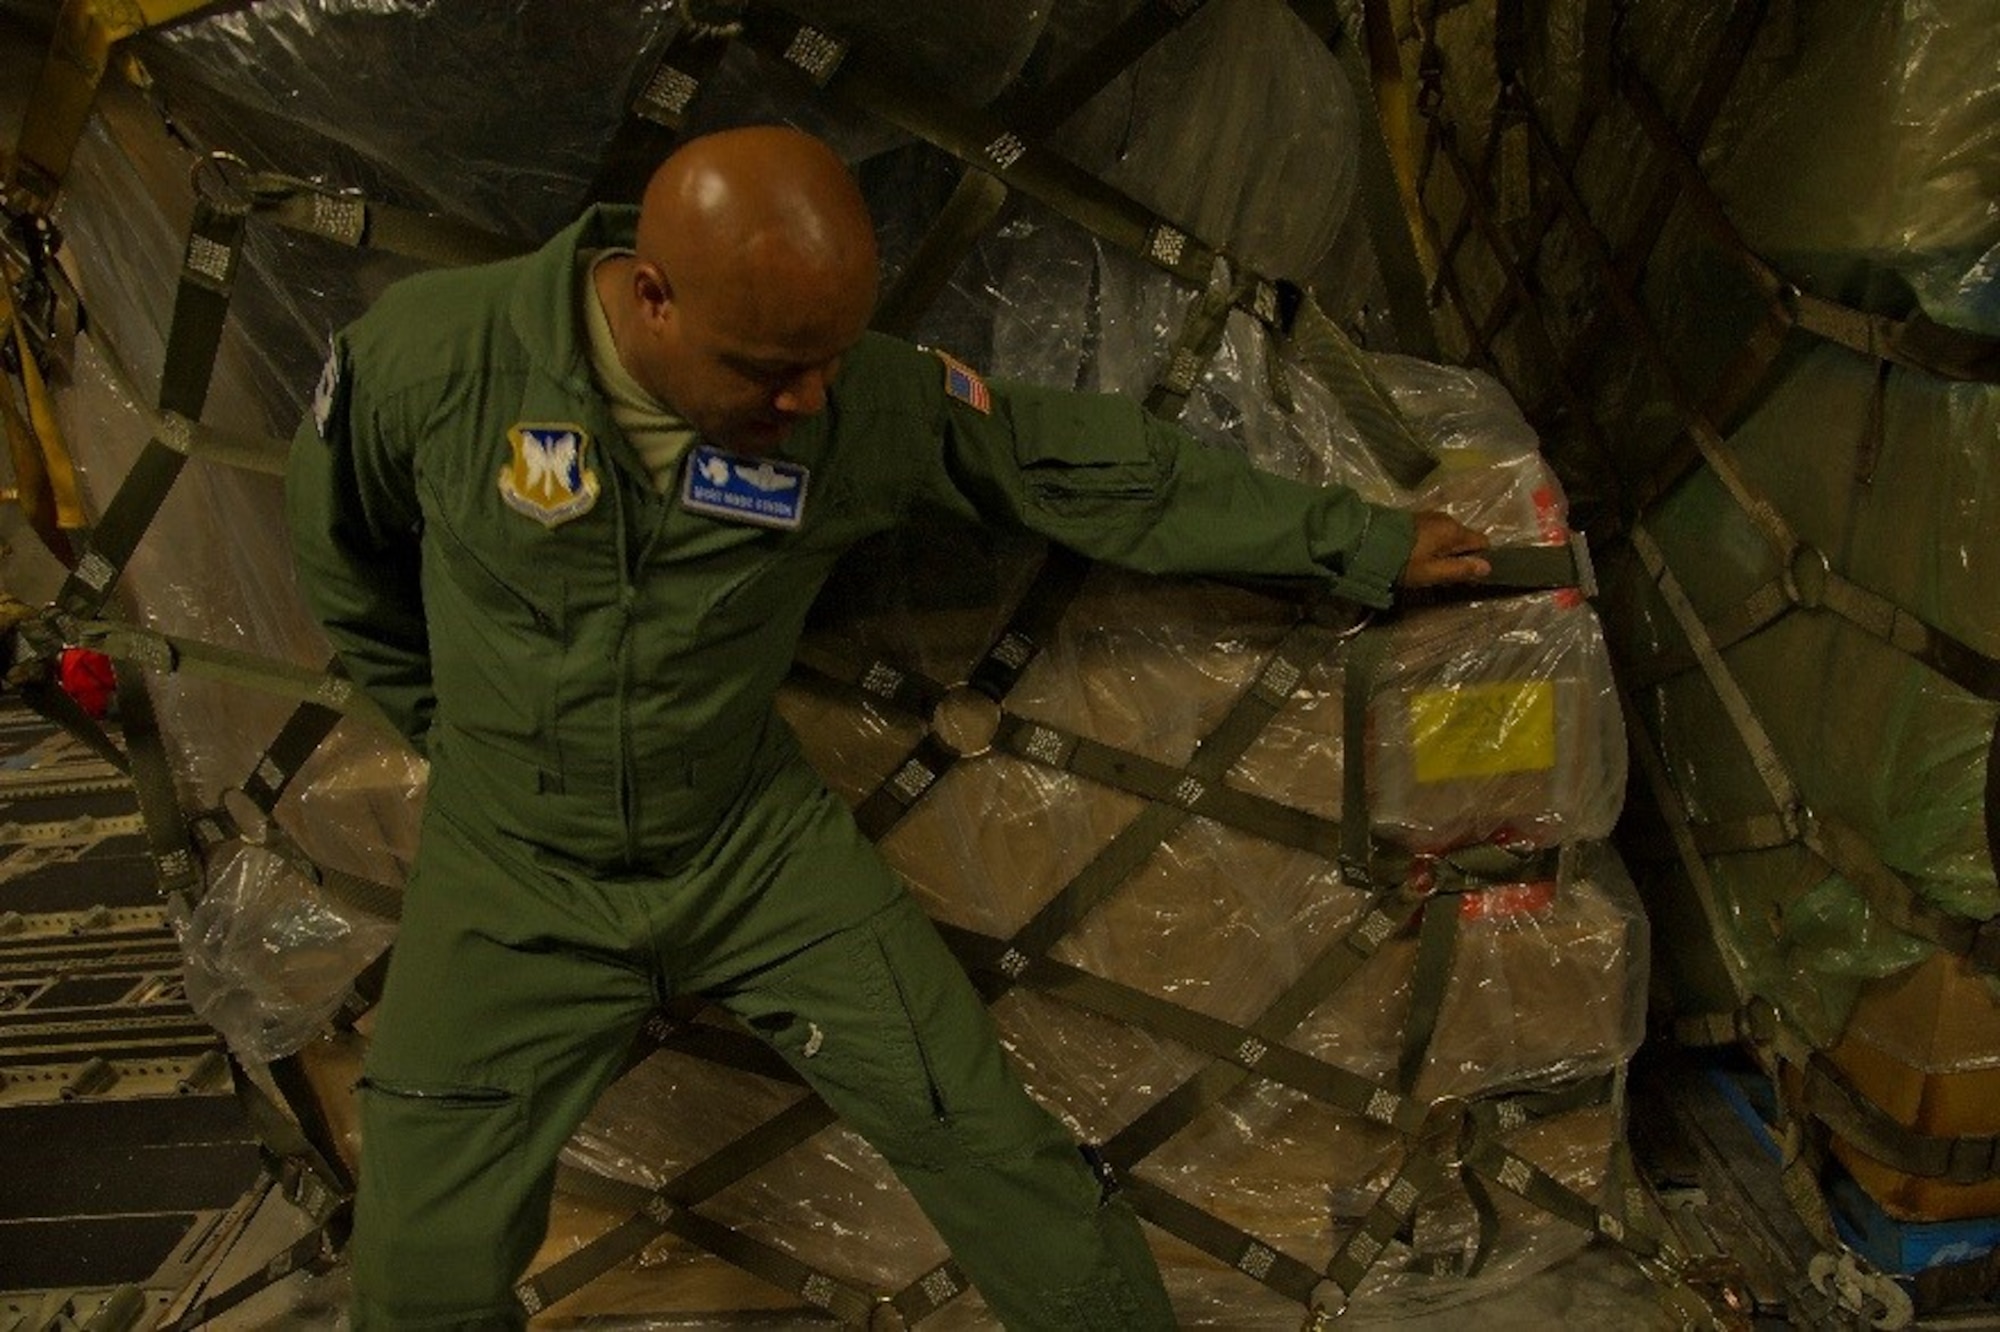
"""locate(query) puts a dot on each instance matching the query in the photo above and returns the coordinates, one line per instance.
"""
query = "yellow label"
(1483, 730)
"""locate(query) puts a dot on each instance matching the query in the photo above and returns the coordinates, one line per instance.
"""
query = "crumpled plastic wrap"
(267, 960)
(1855, 155)
(1491, 720)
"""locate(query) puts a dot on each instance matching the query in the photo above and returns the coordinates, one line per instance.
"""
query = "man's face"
(744, 367)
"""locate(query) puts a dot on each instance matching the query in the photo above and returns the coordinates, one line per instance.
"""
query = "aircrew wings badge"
(964, 383)
(546, 478)
(770, 492)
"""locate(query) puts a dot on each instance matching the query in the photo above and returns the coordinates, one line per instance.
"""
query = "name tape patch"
(770, 492)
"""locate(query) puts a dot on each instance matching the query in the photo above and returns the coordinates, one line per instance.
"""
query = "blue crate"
(1900, 1248)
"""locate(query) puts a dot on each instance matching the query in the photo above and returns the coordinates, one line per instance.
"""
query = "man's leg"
(881, 1020)
(507, 1010)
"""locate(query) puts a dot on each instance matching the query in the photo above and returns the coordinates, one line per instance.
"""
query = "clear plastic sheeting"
(1871, 737)
(1490, 723)
(1246, 89)
(267, 960)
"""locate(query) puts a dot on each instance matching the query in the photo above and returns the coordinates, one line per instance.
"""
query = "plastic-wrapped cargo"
(1488, 724)
(1794, 423)
(1845, 158)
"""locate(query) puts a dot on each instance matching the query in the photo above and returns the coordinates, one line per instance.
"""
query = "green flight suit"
(616, 816)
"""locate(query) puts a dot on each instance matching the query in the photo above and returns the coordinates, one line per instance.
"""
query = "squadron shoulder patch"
(770, 492)
(547, 478)
(962, 382)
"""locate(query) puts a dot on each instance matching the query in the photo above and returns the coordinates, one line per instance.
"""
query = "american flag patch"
(961, 382)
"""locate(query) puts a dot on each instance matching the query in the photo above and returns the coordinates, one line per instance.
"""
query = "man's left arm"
(1103, 476)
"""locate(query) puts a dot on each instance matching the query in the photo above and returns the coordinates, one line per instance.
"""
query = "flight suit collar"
(546, 315)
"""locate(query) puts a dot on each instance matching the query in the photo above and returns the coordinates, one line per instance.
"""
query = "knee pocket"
(903, 1051)
(441, 1221)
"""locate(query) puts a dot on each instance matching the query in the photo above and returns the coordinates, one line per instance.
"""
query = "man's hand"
(1443, 553)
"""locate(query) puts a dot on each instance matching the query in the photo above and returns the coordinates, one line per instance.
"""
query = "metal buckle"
(224, 182)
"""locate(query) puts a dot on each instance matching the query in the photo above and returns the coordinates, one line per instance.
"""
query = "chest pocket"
(497, 595)
(516, 582)
(747, 579)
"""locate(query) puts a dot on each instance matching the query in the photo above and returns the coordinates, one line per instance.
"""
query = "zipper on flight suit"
(629, 572)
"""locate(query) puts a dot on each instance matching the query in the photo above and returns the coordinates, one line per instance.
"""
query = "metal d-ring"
(966, 720)
(223, 181)
(1807, 572)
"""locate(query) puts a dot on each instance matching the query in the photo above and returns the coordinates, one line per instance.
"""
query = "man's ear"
(652, 289)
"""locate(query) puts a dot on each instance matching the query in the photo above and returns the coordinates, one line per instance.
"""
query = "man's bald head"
(731, 205)
(756, 271)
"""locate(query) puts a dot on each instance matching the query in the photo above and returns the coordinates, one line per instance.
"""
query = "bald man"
(563, 517)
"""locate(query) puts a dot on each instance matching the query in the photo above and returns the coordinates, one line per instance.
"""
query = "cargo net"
(1305, 922)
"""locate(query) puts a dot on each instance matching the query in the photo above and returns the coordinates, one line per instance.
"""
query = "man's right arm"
(350, 500)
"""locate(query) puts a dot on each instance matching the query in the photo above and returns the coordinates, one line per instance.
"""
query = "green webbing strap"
(1488, 1211)
(1437, 941)
(982, 141)
(362, 224)
(1801, 1158)
(1421, 1176)
(688, 62)
(974, 203)
(1831, 1098)
(664, 1209)
(1046, 746)
(1238, 1046)
(1535, 568)
(249, 453)
(1047, 109)
(294, 1135)
(723, 1046)
(1928, 347)
(1886, 892)
(1810, 583)
(1304, 646)
(1382, 205)
(353, 891)
(301, 735)
(1523, 1178)
(54, 703)
(1364, 660)
(767, 1262)
(927, 1294)
(170, 654)
(1261, 1262)
(1755, 832)
(1384, 914)
(911, 779)
(1891, 896)
(201, 305)
(977, 138)
(979, 196)
(910, 692)
(1034, 621)
(1200, 338)
(1667, 798)
(167, 835)
(315, 1251)
(1785, 799)
(657, 113)
(1323, 347)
